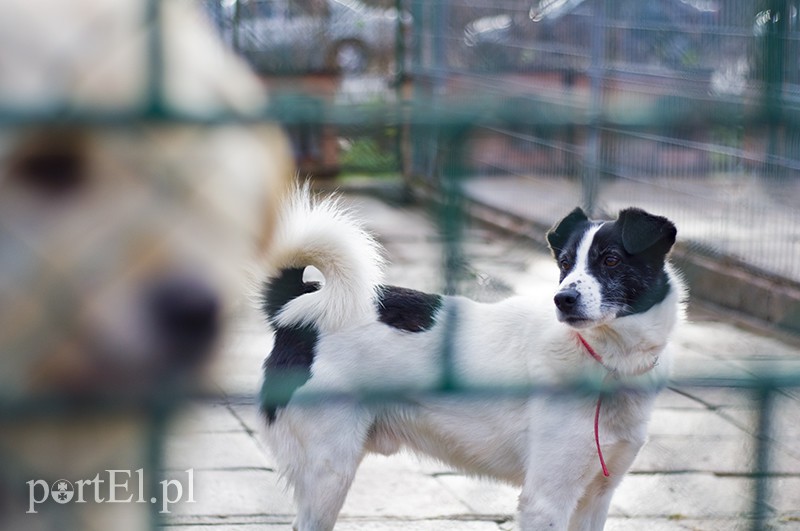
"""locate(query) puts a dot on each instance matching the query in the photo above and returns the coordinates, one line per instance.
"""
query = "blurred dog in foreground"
(122, 243)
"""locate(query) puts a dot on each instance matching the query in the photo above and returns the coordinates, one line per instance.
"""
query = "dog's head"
(610, 269)
(122, 245)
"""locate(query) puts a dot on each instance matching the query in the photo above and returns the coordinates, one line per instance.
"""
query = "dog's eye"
(565, 264)
(612, 260)
(52, 168)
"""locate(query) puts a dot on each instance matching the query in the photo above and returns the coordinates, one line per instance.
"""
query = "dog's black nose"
(567, 299)
(185, 315)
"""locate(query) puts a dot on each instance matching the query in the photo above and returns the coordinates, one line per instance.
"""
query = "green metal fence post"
(237, 14)
(452, 221)
(774, 70)
(764, 399)
(597, 74)
(159, 417)
(155, 56)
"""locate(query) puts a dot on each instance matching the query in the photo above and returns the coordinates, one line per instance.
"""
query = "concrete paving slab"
(714, 398)
(674, 399)
(691, 423)
(679, 496)
(786, 495)
(215, 451)
(205, 417)
(235, 493)
(417, 525)
(671, 454)
(677, 523)
(398, 493)
(692, 364)
(344, 525)
(241, 376)
(786, 413)
(229, 527)
(249, 416)
(231, 522)
(484, 497)
(726, 341)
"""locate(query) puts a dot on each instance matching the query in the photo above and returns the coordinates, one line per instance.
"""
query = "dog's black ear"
(557, 236)
(642, 231)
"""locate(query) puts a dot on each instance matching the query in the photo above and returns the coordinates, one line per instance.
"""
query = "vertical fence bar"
(451, 214)
(774, 69)
(237, 14)
(402, 58)
(449, 159)
(597, 73)
(452, 138)
(424, 139)
(438, 45)
(155, 59)
(158, 416)
(764, 399)
(157, 411)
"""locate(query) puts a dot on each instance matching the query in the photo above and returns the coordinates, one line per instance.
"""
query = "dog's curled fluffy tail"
(323, 234)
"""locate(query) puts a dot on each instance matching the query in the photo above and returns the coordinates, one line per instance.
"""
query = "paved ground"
(695, 473)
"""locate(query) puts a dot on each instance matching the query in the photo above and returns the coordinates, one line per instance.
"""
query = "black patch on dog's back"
(279, 290)
(289, 364)
(408, 309)
(288, 367)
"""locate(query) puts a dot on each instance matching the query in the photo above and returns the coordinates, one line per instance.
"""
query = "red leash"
(590, 350)
(599, 360)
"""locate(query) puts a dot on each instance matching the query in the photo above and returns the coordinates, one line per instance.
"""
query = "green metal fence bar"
(491, 110)
(155, 59)
(597, 75)
(761, 494)
(158, 422)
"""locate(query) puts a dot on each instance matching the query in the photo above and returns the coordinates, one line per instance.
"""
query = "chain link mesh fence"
(685, 108)
(523, 109)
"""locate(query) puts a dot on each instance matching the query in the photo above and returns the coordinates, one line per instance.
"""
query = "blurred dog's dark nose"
(186, 317)
(567, 299)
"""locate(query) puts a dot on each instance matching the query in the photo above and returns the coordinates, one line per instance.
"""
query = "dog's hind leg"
(326, 445)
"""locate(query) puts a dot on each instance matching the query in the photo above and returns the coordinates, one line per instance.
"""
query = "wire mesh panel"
(683, 108)
(513, 111)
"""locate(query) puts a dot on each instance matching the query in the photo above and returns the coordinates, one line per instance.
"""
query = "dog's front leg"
(559, 459)
(549, 496)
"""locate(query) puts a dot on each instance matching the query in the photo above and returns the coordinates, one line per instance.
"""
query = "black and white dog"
(615, 308)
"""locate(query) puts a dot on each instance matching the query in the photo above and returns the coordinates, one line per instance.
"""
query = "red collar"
(599, 360)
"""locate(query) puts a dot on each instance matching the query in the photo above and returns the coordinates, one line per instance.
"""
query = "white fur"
(540, 442)
(323, 234)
